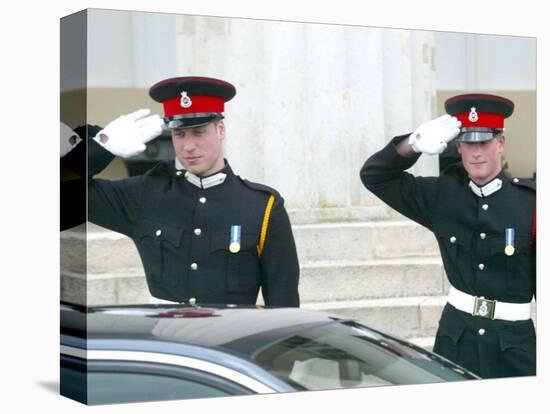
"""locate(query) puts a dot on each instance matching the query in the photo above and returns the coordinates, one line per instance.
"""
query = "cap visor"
(475, 136)
(189, 122)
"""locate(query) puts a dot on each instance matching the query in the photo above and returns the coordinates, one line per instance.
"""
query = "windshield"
(345, 355)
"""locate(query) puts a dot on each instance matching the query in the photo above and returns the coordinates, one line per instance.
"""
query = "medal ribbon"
(510, 237)
(235, 235)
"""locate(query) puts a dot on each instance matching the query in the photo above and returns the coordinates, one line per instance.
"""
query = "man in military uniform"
(204, 234)
(484, 225)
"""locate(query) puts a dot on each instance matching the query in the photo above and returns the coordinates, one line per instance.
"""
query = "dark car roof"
(185, 330)
(195, 326)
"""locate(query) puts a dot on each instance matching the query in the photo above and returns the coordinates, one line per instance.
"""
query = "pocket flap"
(454, 236)
(160, 231)
(454, 332)
(519, 336)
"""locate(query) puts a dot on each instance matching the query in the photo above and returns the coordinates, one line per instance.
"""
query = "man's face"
(199, 149)
(482, 160)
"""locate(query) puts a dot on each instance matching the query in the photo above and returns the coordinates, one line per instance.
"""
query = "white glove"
(69, 139)
(432, 137)
(127, 135)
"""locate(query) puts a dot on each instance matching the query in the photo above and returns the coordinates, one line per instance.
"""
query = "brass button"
(197, 232)
(485, 206)
(481, 266)
(482, 236)
(481, 331)
(194, 266)
(158, 232)
(202, 200)
(452, 239)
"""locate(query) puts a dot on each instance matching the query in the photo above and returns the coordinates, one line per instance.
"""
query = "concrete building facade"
(313, 102)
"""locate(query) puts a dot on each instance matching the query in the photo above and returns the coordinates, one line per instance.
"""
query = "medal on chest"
(510, 236)
(235, 239)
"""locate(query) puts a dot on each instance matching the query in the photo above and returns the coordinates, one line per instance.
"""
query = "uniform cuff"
(396, 159)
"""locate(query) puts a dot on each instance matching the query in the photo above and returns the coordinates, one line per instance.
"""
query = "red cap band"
(484, 120)
(198, 104)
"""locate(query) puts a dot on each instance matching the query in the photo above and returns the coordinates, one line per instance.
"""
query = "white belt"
(479, 306)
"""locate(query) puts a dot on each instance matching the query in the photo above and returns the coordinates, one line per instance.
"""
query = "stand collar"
(490, 188)
(208, 181)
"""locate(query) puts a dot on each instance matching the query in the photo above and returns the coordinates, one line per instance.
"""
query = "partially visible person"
(204, 234)
(484, 223)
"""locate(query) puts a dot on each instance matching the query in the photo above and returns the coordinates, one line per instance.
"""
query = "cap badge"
(185, 100)
(473, 117)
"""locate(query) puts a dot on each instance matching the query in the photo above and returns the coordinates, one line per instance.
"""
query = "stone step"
(90, 289)
(335, 281)
(363, 241)
(405, 318)
(110, 251)
(321, 281)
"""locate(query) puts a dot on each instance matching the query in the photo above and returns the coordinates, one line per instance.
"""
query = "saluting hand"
(127, 135)
(432, 137)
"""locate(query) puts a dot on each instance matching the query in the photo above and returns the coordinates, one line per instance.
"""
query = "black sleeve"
(72, 192)
(72, 202)
(384, 175)
(111, 204)
(279, 261)
(88, 156)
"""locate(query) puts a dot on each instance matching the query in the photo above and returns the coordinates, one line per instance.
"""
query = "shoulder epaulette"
(259, 187)
(525, 182)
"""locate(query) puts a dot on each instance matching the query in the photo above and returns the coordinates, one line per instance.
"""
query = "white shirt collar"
(203, 183)
(487, 189)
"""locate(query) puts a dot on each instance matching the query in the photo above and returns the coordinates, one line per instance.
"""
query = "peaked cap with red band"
(482, 115)
(192, 101)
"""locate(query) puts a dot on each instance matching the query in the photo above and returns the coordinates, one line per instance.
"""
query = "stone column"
(313, 102)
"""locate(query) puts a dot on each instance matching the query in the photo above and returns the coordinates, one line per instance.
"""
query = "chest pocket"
(242, 269)
(159, 245)
(455, 244)
(518, 266)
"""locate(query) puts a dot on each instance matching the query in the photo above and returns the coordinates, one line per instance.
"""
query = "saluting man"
(485, 227)
(204, 234)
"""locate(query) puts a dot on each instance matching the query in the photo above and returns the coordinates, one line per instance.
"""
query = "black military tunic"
(470, 231)
(182, 233)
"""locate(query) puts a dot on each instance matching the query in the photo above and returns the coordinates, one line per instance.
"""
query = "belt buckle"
(484, 307)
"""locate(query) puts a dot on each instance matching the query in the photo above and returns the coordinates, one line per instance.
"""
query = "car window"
(119, 387)
(109, 382)
(346, 355)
